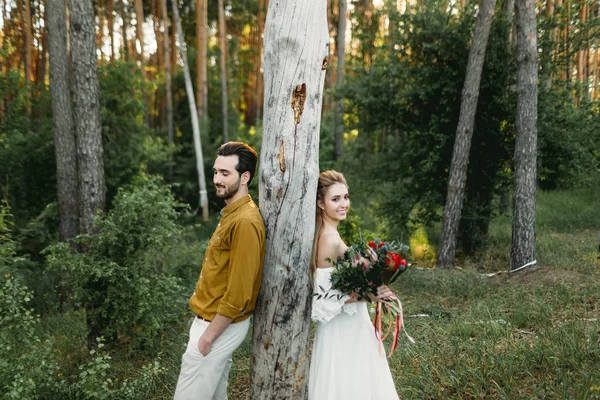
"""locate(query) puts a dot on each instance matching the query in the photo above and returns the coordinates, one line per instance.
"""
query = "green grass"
(530, 335)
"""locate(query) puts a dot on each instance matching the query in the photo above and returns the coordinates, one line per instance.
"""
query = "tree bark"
(42, 58)
(193, 113)
(110, 8)
(139, 20)
(62, 121)
(167, 54)
(524, 218)
(223, 67)
(340, 47)
(260, 84)
(27, 47)
(295, 55)
(464, 134)
(86, 102)
(201, 59)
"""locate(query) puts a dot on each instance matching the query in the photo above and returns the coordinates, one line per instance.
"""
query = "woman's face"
(336, 203)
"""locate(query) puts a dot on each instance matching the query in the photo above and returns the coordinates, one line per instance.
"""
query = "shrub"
(123, 280)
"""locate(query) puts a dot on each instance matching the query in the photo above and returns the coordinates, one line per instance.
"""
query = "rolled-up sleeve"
(245, 266)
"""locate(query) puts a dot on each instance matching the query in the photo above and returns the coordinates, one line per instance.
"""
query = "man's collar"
(235, 205)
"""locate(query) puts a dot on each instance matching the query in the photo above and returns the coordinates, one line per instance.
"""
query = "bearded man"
(229, 281)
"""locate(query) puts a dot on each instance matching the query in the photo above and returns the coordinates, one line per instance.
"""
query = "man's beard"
(230, 191)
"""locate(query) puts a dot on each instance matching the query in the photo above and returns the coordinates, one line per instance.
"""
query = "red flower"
(372, 245)
(393, 260)
(381, 244)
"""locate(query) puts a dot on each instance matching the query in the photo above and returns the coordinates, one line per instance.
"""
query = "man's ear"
(245, 177)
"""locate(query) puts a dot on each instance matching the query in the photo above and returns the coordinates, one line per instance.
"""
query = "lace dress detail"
(328, 302)
(346, 363)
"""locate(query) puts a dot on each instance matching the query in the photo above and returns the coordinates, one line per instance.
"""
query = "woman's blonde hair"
(326, 180)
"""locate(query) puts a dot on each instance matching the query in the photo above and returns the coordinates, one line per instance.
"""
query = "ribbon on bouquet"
(394, 307)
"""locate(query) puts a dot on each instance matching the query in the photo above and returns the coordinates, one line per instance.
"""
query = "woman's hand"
(383, 292)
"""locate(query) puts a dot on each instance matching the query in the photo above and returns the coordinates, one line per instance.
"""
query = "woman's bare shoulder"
(330, 247)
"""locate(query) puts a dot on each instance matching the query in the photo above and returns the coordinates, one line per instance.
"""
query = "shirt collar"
(236, 204)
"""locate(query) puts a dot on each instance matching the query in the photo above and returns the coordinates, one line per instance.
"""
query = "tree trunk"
(125, 18)
(86, 101)
(523, 231)
(62, 121)
(201, 59)
(508, 9)
(42, 58)
(464, 134)
(223, 67)
(110, 8)
(27, 47)
(167, 53)
(340, 46)
(193, 113)
(139, 20)
(295, 52)
(260, 84)
(100, 32)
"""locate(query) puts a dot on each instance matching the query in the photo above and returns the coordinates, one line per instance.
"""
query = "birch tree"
(193, 113)
(295, 57)
(464, 134)
(524, 219)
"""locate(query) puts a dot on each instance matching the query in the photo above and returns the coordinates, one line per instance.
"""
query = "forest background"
(110, 320)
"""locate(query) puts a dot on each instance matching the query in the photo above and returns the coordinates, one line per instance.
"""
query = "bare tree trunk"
(42, 58)
(125, 18)
(100, 32)
(260, 84)
(27, 47)
(508, 9)
(110, 8)
(464, 134)
(193, 113)
(223, 66)
(86, 102)
(295, 52)
(139, 20)
(201, 60)
(524, 218)
(340, 46)
(62, 121)
(167, 53)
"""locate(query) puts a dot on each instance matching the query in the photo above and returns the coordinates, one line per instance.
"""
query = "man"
(229, 281)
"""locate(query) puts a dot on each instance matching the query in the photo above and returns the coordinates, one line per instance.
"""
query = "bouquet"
(363, 268)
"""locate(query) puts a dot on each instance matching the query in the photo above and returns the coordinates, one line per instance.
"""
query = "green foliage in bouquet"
(365, 266)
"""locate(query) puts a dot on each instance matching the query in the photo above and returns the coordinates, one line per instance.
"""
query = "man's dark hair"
(246, 155)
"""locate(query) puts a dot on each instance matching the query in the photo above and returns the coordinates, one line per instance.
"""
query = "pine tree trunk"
(110, 8)
(86, 107)
(464, 134)
(193, 113)
(139, 20)
(524, 218)
(295, 52)
(28, 46)
(260, 84)
(340, 46)
(201, 60)
(42, 58)
(62, 121)
(223, 67)
(167, 53)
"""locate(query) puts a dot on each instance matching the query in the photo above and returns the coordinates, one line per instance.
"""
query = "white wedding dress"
(346, 363)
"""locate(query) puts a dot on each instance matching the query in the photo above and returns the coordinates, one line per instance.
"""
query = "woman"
(346, 362)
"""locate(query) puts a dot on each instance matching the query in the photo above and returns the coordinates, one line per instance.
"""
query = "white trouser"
(205, 378)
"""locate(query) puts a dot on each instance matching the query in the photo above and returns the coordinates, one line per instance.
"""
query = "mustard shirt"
(232, 268)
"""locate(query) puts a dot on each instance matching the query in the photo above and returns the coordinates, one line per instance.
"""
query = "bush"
(123, 281)
(26, 366)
